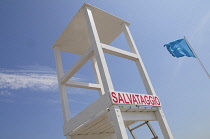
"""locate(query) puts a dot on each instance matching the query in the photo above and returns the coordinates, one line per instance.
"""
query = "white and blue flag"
(179, 48)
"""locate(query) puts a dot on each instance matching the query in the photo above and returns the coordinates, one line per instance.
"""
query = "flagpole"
(196, 56)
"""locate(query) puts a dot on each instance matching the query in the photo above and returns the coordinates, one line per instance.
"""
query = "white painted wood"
(118, 123)
(92, 122)
(119, 52)
(75, 38)
(96, 136)
(139, 63)
(99, 55)
(137, 108)
(139, 116)
(97, 126)
(163, 124)
(79, 63)
(147, 83)
(97, 74)
(77, 84)
(62, 88)
(104, 72)
(89, 112)
(68, 137)
(100, 127)
(109, 130)
(101, 123)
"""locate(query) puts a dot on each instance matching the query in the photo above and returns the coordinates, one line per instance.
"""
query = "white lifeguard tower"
(89, 34)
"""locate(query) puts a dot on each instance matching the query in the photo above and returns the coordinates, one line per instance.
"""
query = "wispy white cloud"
(27, 80)
(29, 69)
(31, 77)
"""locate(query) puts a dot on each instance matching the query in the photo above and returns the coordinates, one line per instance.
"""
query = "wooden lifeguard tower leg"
(147, 83)
(115, 113)
(62, 88)
(116, 117)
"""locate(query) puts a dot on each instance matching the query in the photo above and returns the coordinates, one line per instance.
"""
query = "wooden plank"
(99, 55)
(114, 112)
(132, 110)
(97, 74)
(139, 62)
(139, 116)
(69, 137)
(107, 127)
(152, 108)
(91, 123)
(62, 88)
(147, 83)
(119, 52)
(99, 105)
(83, 85)
(117, 119)
(95, 136)
(109, 130)
(137, 109)
(100, 126)
(95, 126)
(163, 124)
(144, 109)
(79, 63)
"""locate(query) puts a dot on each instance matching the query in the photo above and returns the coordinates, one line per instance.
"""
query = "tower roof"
(75, 38)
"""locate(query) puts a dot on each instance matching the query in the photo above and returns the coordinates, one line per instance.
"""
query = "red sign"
(134, 99)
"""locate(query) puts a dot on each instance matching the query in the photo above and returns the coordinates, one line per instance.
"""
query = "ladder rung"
(138, 126)
(119, 52)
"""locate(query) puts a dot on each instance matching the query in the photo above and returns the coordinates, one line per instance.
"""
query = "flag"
(179, 48)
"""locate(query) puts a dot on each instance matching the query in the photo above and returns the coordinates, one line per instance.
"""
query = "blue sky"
(29, 100)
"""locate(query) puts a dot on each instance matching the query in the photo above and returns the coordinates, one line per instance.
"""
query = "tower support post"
(116, 116)
(62, 88)
(147, 83)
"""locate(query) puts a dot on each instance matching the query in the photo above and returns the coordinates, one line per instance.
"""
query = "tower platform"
(101, 123)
